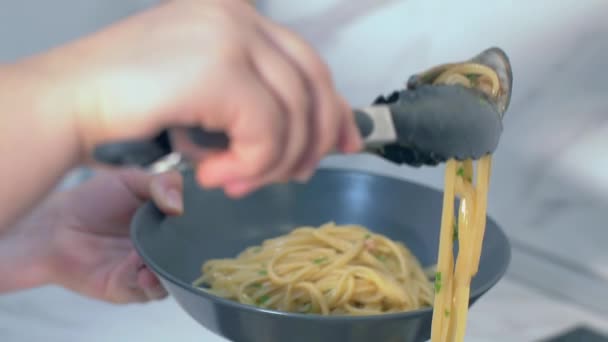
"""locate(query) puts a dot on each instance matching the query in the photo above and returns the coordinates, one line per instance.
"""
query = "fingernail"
(301, 179)
(156, 293)
(351, 146)
(213, 179)
(304, 176)
(174, 200)
(239, 189)
(357, 144)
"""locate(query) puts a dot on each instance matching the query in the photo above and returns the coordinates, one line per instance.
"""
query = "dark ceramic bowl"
(215, 226)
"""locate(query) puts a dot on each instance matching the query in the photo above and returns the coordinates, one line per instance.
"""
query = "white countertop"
(508, 313)
(546, 192)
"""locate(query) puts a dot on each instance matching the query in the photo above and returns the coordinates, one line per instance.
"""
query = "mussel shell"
(494, 58)
(498, 60)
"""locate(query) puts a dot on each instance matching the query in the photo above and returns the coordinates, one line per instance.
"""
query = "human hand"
(79, 239)
(219, 64)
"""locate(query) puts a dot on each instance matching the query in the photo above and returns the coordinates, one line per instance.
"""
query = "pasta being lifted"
(455, 271)
(330, 270)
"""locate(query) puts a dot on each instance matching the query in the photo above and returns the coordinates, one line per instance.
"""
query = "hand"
(80, 239)
(219, 64)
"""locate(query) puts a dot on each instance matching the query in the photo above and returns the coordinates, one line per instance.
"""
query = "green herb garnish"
(263, 272)
(256, 285)
(320, 260)
(381, 257)
(263, 299)
(367, 236)
(437, 282)
(455, 232)
(307, 308)
(257, 249)
(473, 78)
(447, 313)
(460, 172)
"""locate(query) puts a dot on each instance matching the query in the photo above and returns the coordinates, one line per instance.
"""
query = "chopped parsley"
(263, 299)
(455, 232)
(320, 260)
(256, 285)
(306, 308)
(447, 313)
(437, 282)
(263, 272)
(474, 78)
(460, 172)
(381, 257)
(367, 236)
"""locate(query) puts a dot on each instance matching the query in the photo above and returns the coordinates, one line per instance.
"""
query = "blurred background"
(550, 181)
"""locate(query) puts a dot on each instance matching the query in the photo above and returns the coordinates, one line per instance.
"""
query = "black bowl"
(215, 226)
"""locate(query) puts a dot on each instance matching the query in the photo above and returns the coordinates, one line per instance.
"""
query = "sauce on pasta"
(330, 270)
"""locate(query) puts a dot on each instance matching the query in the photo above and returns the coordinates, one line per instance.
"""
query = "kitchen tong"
(425, 124)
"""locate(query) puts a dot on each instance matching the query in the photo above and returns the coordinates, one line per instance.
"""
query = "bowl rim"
(167, 276)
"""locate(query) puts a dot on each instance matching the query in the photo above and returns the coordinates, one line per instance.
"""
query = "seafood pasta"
(330, 270)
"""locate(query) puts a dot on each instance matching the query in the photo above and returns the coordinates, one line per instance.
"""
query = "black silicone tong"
(424, 124)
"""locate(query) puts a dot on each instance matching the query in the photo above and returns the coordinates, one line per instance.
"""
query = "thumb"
(164, 189)
(167, 192)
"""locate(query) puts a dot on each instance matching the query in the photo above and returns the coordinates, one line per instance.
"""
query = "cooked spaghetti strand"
(331, 270)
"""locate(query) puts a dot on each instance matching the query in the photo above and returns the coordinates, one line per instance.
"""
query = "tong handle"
(145, 152)
(219, 140)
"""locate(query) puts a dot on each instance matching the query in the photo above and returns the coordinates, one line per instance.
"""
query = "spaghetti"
(454, 272)
(330, 270)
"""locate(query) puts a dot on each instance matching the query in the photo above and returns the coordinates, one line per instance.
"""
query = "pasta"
(330, 270)
(454, 272)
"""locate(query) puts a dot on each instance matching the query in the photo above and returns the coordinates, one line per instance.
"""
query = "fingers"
(289, 85)
(350, 140)
(137, 181)
(293, 92)
(333, 119)
(132, 282)
(277, 103)
(289, 116)
(257, 130)
(149, 283)
(164, 189)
